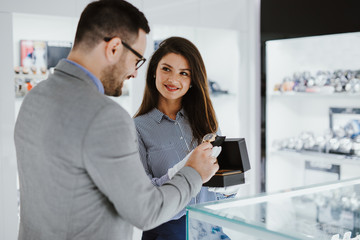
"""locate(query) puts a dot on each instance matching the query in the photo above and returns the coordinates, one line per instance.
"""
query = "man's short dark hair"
(109, 18)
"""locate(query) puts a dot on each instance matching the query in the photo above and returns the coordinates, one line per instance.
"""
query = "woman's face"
(173, 76)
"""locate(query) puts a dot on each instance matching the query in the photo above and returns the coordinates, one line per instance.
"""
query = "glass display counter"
(323, 212)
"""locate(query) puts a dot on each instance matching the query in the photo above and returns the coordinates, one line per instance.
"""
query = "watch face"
(210, 137)
(291, 143)
(357, 87)
(345, 144)
(214, 139)
(334, 144)
(348, 87)
(299, 144)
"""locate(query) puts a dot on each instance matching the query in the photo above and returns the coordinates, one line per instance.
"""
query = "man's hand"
(203, 162)
(215, 151)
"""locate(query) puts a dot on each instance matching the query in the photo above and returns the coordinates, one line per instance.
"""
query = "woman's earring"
(190, 86)
(154, 76)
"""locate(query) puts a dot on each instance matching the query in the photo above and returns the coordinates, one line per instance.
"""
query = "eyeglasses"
(140, 62)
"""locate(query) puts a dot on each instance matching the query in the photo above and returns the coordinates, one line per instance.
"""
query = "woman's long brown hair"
(196, 102)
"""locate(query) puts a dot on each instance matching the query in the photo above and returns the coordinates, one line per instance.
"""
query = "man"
(79, 168)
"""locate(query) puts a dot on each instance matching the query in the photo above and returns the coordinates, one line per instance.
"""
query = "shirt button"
(181, 138)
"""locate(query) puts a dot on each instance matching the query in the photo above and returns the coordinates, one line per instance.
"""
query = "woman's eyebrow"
(168, 65)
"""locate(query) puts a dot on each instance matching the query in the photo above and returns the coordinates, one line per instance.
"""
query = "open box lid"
(234, 155)
(233, 162)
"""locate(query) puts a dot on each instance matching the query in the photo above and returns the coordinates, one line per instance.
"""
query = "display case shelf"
(314, 212)
(317, 157)
(314, 95)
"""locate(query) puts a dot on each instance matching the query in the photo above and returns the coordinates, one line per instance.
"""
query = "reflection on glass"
(318, 212)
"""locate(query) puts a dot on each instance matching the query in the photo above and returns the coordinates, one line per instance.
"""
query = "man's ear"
(113, 50)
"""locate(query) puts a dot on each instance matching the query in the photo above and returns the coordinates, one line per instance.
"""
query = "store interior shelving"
(317, 157)
(290, 113)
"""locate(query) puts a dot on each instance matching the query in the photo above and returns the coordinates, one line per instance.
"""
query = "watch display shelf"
(317, 157)
(290, 113)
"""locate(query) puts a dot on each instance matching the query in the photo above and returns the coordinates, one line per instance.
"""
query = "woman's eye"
(165, 69)
(184, 73)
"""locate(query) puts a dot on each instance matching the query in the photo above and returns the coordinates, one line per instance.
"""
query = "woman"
(175, 114)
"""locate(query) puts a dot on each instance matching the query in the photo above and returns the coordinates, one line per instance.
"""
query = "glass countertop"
(313, 212)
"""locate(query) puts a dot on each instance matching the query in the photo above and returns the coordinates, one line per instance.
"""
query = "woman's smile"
(171, 88)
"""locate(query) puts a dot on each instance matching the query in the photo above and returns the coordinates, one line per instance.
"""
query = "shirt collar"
(95, 80)
(157, 115)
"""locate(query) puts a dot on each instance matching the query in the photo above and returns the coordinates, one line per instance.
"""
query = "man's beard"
(110, 80)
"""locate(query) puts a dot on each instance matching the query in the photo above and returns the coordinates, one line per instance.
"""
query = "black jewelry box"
(233, 162)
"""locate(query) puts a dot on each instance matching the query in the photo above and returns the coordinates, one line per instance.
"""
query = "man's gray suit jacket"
(79, 168)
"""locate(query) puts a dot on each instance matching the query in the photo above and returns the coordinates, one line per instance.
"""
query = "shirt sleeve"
(143, 156)
(111, 158)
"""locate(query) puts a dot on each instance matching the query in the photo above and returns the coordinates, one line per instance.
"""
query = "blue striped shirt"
(163, 142)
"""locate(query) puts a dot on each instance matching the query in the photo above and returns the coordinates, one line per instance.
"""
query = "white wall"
(250, 86)
(8, 193)
(69, 8)
(228, 14)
